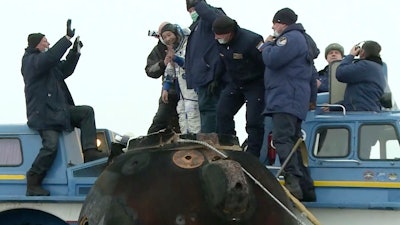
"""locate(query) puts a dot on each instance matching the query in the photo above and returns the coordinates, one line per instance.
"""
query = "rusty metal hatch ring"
(84, 221)
(188, 159)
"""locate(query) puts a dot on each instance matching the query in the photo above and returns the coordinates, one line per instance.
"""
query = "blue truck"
(68, 181)
(353, 158)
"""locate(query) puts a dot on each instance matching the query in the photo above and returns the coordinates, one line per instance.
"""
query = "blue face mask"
(194, 16)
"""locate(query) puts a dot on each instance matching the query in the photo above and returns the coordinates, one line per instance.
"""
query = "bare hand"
(318, 83)
(325, 108)
(164, 96)
(170, 54)
(355, 51)
(270, 38)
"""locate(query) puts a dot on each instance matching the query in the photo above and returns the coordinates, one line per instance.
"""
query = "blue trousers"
(232, 98)
(286, 130)
(208, 109)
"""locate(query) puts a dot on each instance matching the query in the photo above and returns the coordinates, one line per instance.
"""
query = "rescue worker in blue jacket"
(203, 67)
(365, 78)
(288, 57)
(49, 104)
(239, 51)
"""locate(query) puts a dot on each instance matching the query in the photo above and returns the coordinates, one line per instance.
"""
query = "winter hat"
(371, 48)
(334, 46)
(192, 3)
(223, 25)
(34, 39)
(286, 16)
(169, 27)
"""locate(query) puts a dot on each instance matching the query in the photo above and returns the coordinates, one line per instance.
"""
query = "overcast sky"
(110, 75)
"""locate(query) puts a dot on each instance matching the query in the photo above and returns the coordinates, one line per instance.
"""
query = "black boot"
(34, 185)
(292, 183)
(93, 154)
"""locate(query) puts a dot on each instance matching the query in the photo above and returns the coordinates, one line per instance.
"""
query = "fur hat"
(334, 46)
(34, 39)
(223, 25)
(286, 16)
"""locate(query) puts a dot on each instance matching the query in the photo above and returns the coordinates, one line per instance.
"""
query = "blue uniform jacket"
(46, 93)
(242, 59)
(365, 84)
(202, 61)
(288, 73)
(323, 77)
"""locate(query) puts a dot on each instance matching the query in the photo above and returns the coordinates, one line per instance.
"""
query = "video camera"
(153, 33)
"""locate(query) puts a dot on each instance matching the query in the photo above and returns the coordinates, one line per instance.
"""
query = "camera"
(153, 33)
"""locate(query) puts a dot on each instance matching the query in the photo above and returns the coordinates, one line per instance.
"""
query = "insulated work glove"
(77, 45)
(70, 32)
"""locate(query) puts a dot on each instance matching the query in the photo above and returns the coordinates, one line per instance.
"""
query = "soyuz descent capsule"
(171, 179)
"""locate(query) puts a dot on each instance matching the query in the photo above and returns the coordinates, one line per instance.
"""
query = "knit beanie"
(285, 16)
(169, 27)
(34, 39)
(334, 46)
(223, 25)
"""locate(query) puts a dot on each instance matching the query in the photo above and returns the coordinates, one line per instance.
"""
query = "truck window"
(331, 142)
(10, 152)
(378, 142)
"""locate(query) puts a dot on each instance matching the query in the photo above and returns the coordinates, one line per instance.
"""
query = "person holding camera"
(49, 104)
(365, 78)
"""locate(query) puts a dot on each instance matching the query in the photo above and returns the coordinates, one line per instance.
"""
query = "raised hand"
(77, 45)
(70, 32)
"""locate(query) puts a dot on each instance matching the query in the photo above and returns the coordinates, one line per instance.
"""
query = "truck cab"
(69, 179)
(353, 159)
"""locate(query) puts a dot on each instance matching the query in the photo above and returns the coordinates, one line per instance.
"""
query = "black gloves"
(70, 32)
(191, 3)
(212, 88)
(77, 45)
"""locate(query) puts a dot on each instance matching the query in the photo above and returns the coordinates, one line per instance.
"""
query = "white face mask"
(222, 41)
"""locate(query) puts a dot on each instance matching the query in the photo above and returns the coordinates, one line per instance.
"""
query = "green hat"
(334, 46)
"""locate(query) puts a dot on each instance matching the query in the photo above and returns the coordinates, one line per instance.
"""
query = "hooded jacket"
(202, 60)
(46, 93)
(289, 69)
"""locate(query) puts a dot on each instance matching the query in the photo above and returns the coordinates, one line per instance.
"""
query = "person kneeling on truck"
(49, 104)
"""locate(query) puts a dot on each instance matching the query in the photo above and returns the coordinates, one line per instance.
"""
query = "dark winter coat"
(323, 77)
(46, 93)
(202, 60)
(155, 66)
(288, 72)
(365, 81)
(242, 59)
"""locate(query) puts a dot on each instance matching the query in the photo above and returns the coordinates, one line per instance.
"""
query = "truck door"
(356, 164)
